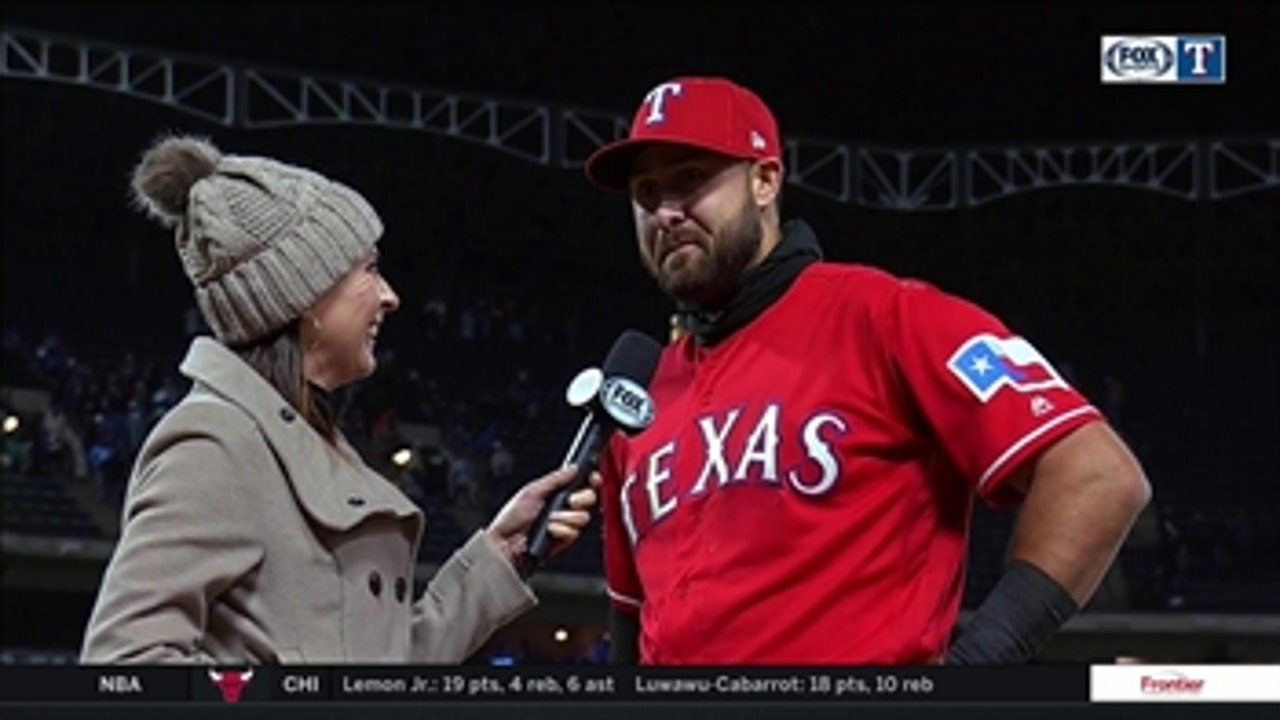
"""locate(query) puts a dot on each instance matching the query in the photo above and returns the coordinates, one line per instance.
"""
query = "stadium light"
(402, 457)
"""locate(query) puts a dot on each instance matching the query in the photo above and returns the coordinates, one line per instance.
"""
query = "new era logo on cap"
(710, 113)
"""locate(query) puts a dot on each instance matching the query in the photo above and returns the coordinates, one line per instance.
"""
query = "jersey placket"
(691, 529)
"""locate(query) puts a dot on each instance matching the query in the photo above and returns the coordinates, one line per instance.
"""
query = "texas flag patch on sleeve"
(986, 363)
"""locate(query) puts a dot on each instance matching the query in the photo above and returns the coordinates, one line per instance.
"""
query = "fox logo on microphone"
(231, 683)
(627, 403)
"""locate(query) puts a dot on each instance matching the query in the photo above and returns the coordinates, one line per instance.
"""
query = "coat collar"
(333, 486)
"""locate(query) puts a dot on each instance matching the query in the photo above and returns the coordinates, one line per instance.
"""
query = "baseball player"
(804, 495)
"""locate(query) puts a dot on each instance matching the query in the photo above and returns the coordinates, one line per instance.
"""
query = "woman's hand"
(510, 527)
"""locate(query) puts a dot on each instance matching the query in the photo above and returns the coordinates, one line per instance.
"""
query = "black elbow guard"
(1023, 611)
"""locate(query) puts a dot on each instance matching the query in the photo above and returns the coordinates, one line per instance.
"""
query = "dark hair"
(278, 358)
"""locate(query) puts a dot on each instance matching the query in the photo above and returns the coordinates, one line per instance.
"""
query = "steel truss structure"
(903, 179)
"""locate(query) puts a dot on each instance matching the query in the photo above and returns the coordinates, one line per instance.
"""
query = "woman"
(252, 532)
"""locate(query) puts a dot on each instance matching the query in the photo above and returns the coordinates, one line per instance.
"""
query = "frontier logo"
(1171, 683)
(1177, 684)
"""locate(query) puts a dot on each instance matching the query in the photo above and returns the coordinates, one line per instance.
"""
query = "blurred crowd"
(85, 417)
(434, 419)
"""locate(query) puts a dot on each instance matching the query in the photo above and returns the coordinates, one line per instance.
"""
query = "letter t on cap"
(657, 97)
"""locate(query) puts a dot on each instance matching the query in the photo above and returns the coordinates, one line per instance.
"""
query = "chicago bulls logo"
(231, 683)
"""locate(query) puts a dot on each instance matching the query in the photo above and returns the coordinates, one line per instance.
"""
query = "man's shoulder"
(856, 280)
(828, 269)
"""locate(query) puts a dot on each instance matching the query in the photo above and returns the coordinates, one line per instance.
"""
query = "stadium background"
(514, 274)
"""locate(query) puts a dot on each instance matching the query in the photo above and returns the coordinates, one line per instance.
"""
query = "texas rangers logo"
(986, 363)
(656, 99)
(230, 683)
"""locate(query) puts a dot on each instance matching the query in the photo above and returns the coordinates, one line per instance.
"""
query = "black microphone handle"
(587, 457)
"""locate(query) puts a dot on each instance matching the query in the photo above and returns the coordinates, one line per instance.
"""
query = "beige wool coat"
(247, 539)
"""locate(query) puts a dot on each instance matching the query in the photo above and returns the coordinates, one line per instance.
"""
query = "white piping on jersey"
(630, 523)
(624, 599)
(1030, 437)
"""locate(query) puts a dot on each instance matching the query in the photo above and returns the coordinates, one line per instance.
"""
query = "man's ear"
(766, 181)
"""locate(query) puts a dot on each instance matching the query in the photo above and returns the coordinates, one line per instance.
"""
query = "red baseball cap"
(704, 112)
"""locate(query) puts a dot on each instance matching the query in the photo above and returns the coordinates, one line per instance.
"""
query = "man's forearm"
(1083, 497)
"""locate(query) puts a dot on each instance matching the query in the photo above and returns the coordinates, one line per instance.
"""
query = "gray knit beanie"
(259, 239)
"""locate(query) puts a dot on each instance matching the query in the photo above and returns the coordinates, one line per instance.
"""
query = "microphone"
(615, 397)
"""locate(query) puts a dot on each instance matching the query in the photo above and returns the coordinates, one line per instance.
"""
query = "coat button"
(375, 583)
(402, 589)
(355, 501)
(287, 415)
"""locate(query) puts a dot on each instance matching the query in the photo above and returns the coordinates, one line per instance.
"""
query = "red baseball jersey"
(804, 494)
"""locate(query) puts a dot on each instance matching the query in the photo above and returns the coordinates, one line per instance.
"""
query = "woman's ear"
(309, 328)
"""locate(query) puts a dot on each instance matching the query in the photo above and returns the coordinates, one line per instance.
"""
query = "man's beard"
(707, 280)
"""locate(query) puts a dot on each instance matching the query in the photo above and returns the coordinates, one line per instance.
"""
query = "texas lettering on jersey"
(741, 445)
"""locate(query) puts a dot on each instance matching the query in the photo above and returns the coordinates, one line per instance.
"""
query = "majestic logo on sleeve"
(731, 447)
(985, 363)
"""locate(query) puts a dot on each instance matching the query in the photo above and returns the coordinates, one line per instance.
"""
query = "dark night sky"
(889, 72)
(900, 74)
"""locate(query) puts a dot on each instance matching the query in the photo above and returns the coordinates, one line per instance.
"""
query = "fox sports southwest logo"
(1138, 59)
